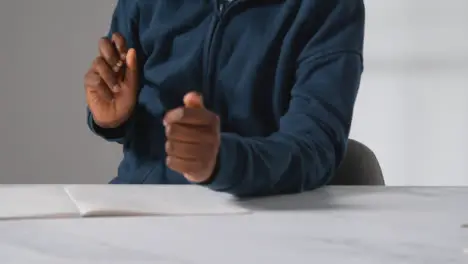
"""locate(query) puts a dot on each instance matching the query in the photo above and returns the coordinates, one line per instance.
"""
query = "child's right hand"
(111, 91)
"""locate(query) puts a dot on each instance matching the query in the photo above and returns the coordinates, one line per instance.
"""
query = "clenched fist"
(193, 139)
(112, 83)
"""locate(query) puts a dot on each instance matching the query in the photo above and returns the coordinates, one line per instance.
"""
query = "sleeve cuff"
(111, 134)
(225, 174)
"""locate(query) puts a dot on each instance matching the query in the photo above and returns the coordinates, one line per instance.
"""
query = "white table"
(362, 225)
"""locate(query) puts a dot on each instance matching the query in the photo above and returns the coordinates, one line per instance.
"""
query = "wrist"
(109, 125)
(108, 132)
(213, 173)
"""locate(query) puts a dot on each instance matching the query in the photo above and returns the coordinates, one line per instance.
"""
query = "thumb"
(131, 73)
(193, 100)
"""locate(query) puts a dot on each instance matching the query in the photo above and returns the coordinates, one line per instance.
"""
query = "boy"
(248, 97)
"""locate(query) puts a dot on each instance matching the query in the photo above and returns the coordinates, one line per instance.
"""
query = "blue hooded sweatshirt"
(282, 75)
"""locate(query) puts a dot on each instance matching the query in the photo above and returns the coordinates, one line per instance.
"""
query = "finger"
(189, 133)
(121, 45)
(191, 116)
(95, 85)
(193, 100)
(131, 73)
(185, 150)
(108, 51)
(106, 73)
(184, 165)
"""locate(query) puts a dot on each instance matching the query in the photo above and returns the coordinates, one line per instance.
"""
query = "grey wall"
(45, 48)
(412, 109)
(413, 105)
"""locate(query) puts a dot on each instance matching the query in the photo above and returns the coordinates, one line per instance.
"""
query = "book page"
(133, 200)
(35, 201)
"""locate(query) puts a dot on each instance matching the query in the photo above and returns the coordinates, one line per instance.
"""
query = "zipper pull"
(221, 5)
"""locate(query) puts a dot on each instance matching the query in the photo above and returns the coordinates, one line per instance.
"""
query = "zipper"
(222, 7)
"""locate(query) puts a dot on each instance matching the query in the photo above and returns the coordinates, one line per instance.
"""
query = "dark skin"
(192, 131)
(193, 139)
(111, 94)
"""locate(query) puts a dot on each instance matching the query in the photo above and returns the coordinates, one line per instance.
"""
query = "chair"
(359, 167)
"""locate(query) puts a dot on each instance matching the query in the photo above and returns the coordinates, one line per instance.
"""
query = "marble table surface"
(352, 225)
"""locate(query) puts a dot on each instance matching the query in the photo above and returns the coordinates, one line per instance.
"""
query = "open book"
(56, 201)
